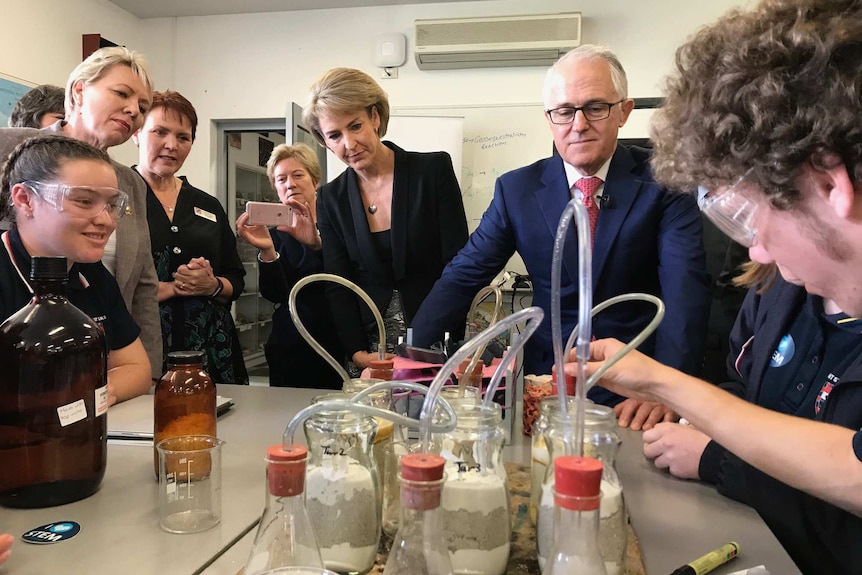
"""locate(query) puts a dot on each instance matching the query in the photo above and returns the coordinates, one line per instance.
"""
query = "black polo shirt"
(809, 360)
(91, 288)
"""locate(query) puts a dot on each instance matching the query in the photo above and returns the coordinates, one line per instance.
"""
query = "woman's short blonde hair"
(97, 63)
(341, 91)
(302, 153)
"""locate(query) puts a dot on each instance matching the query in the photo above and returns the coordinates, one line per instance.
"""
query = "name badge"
(205, 214)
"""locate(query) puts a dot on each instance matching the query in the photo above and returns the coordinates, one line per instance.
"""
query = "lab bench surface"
(675, 521)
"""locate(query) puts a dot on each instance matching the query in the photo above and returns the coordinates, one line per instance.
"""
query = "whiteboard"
(497, 139)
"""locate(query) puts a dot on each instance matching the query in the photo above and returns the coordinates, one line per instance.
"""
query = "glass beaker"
(342, 489)
(476, 520)
(601, 441)
(189, 483)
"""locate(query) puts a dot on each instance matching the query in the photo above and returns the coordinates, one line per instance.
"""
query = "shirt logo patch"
(823, 396)
(784, 352)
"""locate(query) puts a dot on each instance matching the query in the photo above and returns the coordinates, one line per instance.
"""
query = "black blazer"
(428, 229)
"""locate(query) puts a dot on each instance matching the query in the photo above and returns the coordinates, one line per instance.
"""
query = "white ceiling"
(171, 8)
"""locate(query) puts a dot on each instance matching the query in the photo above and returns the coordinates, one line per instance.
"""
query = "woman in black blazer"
(390, 223)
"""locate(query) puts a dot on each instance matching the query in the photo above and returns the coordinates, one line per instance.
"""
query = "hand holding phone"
(268, 214)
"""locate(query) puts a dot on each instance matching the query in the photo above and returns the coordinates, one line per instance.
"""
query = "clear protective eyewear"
(82, 201)
(733, 212)
(593, 112)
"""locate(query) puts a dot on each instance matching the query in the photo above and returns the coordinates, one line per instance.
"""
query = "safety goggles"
(732, 211)
(82, 201)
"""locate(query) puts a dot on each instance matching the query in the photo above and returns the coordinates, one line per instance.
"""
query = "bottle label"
(72, 412)
(101, 400)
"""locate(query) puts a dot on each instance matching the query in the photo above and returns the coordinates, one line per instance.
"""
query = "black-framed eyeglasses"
(593, 112)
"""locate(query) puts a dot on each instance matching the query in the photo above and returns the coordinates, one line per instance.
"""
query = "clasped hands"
(195, 278)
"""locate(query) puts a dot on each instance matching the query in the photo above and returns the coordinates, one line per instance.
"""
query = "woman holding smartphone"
(288, 254)
(194, 249)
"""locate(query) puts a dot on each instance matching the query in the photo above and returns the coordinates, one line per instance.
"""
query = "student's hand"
(642, 415)
(634, 376)
(363, 359)
(676, 447)
(5, 547)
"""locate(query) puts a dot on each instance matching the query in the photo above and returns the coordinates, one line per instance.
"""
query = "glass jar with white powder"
(475, 499)
(601, 441)
(342, 489)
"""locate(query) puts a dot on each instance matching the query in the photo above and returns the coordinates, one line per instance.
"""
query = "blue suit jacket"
(647, 240)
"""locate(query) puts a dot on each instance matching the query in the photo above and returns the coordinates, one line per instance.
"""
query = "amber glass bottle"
(53, 397)
(185, 401)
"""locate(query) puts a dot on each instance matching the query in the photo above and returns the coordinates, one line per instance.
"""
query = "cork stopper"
(475, 378)
(285, 469)
(421, 481)
(577, 482)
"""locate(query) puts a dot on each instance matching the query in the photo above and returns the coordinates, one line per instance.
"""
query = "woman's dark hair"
(41, 100)
(179, 105)
(40, 159)
(769, 90)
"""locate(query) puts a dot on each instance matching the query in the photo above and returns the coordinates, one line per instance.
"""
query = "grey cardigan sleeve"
(136, 273)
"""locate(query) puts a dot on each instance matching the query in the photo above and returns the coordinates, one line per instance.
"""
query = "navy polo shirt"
(809, 360)
(91, 288)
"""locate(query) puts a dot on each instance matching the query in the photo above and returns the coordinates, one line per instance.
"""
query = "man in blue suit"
(645, 239)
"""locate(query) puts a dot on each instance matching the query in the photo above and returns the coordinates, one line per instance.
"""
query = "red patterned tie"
(588, 187)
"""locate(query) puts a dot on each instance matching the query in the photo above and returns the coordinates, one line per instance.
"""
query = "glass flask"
(601, 440)
(285, 537)
(577, 498)
(539, 450)
(185, 400)
(418, 547)
(341, 489)
(476, 520)
(53, 397)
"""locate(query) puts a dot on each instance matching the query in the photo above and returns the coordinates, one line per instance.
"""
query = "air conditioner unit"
(534, 40)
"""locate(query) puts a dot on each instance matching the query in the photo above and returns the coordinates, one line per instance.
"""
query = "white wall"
(250, 66)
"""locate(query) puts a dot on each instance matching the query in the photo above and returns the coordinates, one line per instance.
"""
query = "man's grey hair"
(589, 52)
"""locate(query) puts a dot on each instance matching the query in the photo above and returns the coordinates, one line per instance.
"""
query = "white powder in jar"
(476, 521)
(612, 526)
(341, 498)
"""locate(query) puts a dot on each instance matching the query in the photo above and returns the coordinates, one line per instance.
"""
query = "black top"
(292, 362)
(428, 228)
(820, 537)
(200, 228)
(91, 288)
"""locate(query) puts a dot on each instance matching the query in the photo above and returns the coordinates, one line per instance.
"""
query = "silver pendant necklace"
(372, 209)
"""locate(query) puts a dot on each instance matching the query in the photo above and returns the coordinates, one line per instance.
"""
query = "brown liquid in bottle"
(185, 400)
(53, 397)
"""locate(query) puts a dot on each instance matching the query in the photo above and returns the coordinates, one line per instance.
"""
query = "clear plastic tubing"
(307, 412)
(574, 210)
(534, 317)
(427, 413)
(498, 304)
(647, 331)
(294, 314)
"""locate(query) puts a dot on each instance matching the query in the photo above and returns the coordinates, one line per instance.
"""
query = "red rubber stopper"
(381, 364)
(416, 469)
(477, 369)
(577, 482)
(285, 469)
(570, 382)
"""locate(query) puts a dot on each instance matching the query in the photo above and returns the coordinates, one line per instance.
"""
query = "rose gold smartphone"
(267, 214)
